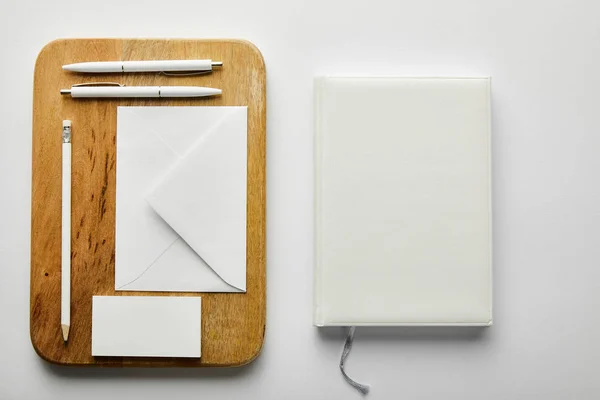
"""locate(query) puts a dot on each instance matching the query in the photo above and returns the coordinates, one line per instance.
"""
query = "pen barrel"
(100, 67)
(142, 91)
(167, 66)
(115, 91)
(188, 91)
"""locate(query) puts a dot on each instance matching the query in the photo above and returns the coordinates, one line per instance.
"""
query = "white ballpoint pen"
(144, 66)
(114, 90)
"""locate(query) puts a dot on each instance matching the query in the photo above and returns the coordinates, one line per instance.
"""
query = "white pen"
(116, 90)
(65, 273)
(143, 66)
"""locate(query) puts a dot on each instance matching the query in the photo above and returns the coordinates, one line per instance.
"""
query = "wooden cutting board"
(233, 325)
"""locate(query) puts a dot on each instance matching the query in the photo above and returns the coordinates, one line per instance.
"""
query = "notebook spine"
(317, 318)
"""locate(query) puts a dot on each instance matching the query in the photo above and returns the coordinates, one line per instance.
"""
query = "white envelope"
(181, 199)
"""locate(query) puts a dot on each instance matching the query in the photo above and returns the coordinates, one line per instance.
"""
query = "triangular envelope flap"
(203, 198)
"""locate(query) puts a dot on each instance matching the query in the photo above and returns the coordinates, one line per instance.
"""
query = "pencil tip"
(65, 332)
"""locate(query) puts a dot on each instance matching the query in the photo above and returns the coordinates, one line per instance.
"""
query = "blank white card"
(146, 326)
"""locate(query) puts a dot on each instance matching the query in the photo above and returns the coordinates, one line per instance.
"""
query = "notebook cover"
(403, 201)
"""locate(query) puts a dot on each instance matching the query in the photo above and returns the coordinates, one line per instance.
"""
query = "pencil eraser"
(66, 123)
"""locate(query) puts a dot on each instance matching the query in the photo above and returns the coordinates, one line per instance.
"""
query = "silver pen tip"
(217, 63)
(65, 91)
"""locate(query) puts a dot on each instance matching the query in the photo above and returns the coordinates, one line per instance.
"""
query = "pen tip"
(65, 332)
(217, 64)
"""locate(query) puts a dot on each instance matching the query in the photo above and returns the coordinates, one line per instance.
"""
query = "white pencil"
(65, 304)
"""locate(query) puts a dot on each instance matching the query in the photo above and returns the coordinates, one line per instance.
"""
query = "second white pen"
(140, 91)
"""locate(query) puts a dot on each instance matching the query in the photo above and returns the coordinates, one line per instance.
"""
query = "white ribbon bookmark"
(363, 388)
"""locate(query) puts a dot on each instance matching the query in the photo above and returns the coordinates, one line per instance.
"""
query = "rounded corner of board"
(46, 357)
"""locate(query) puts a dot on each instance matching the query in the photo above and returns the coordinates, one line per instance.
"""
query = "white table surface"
(544, 57)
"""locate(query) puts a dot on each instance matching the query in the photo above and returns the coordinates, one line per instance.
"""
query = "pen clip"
(185, 73)
(98, 84)
(213, 64)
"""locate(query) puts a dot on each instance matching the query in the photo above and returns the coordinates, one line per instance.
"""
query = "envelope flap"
(203, 198)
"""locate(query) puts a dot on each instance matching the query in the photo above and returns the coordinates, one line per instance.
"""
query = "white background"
(544, 57)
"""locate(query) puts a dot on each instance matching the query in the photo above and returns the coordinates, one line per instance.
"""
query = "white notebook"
(403, 201)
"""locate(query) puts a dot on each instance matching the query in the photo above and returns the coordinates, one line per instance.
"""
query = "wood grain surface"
(233, 324)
